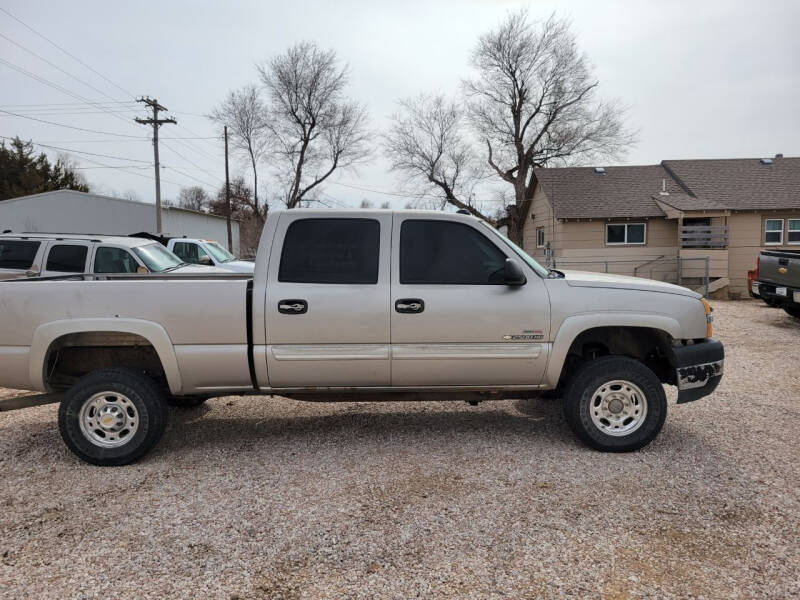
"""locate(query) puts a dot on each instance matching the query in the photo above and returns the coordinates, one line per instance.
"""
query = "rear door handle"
(292, 307)
(409, 305)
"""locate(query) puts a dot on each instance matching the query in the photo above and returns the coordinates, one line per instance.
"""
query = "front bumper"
(698, 369)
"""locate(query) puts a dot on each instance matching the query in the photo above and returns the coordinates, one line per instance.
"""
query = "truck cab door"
(455, 322)
(327, 301)
(65, 257)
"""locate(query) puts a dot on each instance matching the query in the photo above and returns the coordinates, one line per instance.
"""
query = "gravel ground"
(259, 498)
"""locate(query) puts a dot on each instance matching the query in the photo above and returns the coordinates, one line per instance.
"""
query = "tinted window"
(17, 254)
(331, 251)
(114, 260)
(67, 259)
(450, 253)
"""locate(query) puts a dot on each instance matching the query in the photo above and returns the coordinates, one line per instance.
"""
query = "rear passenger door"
(327, 301)
(65, 258)
(454, 321)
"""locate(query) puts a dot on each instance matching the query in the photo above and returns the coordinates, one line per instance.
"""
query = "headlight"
(709, 316)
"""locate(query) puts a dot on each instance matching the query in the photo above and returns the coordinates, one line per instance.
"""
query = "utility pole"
(228, 195)
(156, 123)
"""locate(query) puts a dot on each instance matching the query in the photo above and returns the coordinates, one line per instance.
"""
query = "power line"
(211, 185)
(8, 112)
(365, 189)
(147, 162)
(55, 66)
(55, 86)
(171, 149)
(51, 42)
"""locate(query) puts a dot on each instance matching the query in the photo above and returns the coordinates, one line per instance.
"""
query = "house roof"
(686, 202)
(741, 183)
(582, 193)
(706, 184)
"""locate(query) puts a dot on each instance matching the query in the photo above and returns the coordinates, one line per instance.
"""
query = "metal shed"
(69, 211)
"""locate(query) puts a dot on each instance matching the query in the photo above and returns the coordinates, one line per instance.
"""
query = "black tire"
(793, 311)
(579, 400)
(148, 407)
(771, 302)
(186, 401)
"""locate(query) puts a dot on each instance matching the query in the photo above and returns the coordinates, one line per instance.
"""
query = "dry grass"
(270, 498)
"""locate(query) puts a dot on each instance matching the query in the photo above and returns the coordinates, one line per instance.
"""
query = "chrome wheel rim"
(108, 419)
(618, 407)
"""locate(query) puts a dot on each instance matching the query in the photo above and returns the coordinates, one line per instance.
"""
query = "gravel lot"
(260, 498)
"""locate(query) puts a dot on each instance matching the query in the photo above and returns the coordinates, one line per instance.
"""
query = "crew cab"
(54, 254)
(358, 305)
(778, 279)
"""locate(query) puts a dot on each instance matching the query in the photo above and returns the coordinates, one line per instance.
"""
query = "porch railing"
(704, 236)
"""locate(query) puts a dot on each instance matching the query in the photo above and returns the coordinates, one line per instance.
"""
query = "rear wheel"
(615, 404)
(112, 416)
(793, 311)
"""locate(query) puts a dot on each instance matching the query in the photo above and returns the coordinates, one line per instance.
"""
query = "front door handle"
(292, 307)
(409, 305)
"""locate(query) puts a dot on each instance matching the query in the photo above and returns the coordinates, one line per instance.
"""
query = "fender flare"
(573, 326)
(46, 334)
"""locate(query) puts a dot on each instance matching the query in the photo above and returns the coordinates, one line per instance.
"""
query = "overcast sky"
(701, 79)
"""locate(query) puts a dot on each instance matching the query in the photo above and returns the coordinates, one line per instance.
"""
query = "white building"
(68, 211)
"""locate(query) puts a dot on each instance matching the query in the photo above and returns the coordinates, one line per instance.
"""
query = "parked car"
(197, 251)
(358, 305)
(57, 254)
(778, 279)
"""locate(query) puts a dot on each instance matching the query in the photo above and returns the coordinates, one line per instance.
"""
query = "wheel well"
(74, 355)
(651, 347)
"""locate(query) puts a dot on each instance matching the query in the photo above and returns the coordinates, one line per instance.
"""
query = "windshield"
(157, 258)
(219, 253)
(518, 251)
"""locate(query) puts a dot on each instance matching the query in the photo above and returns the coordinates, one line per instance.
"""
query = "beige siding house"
(640, 220)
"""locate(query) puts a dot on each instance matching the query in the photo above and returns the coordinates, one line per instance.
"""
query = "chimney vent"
(766, 161)
(600, 170)
(663, 191)
(779, 155)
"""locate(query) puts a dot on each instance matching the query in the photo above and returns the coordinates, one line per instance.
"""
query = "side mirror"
(34, 271)
(513, 274)
(141, 270)
(206, 260)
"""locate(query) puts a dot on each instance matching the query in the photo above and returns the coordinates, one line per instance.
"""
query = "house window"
(625, 233)
(773, 232)
(793, 231)
(540, 237)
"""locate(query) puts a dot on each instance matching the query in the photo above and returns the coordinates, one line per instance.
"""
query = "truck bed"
(210, 350)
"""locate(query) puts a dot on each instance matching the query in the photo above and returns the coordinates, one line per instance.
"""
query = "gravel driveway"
(271, 498)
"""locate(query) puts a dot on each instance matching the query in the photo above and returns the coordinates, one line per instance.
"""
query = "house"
(661, 221)
(69, 211)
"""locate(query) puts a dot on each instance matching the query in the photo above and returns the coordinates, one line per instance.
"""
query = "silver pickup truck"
(357, 305)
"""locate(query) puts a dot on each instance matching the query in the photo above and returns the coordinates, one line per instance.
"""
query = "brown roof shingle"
(741, 183)
(705, 184)
(581, 193)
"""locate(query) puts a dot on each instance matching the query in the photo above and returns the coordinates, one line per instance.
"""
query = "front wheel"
(112, 416)
(615, 404)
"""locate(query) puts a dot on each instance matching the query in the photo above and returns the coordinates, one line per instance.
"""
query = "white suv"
(54, 254)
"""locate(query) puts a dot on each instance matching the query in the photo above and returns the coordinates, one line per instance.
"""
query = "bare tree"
(245, 114)
(533, 104)
(366, 204)
(194, 198)
(426, 142)
(385, 205)
(315, 128)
